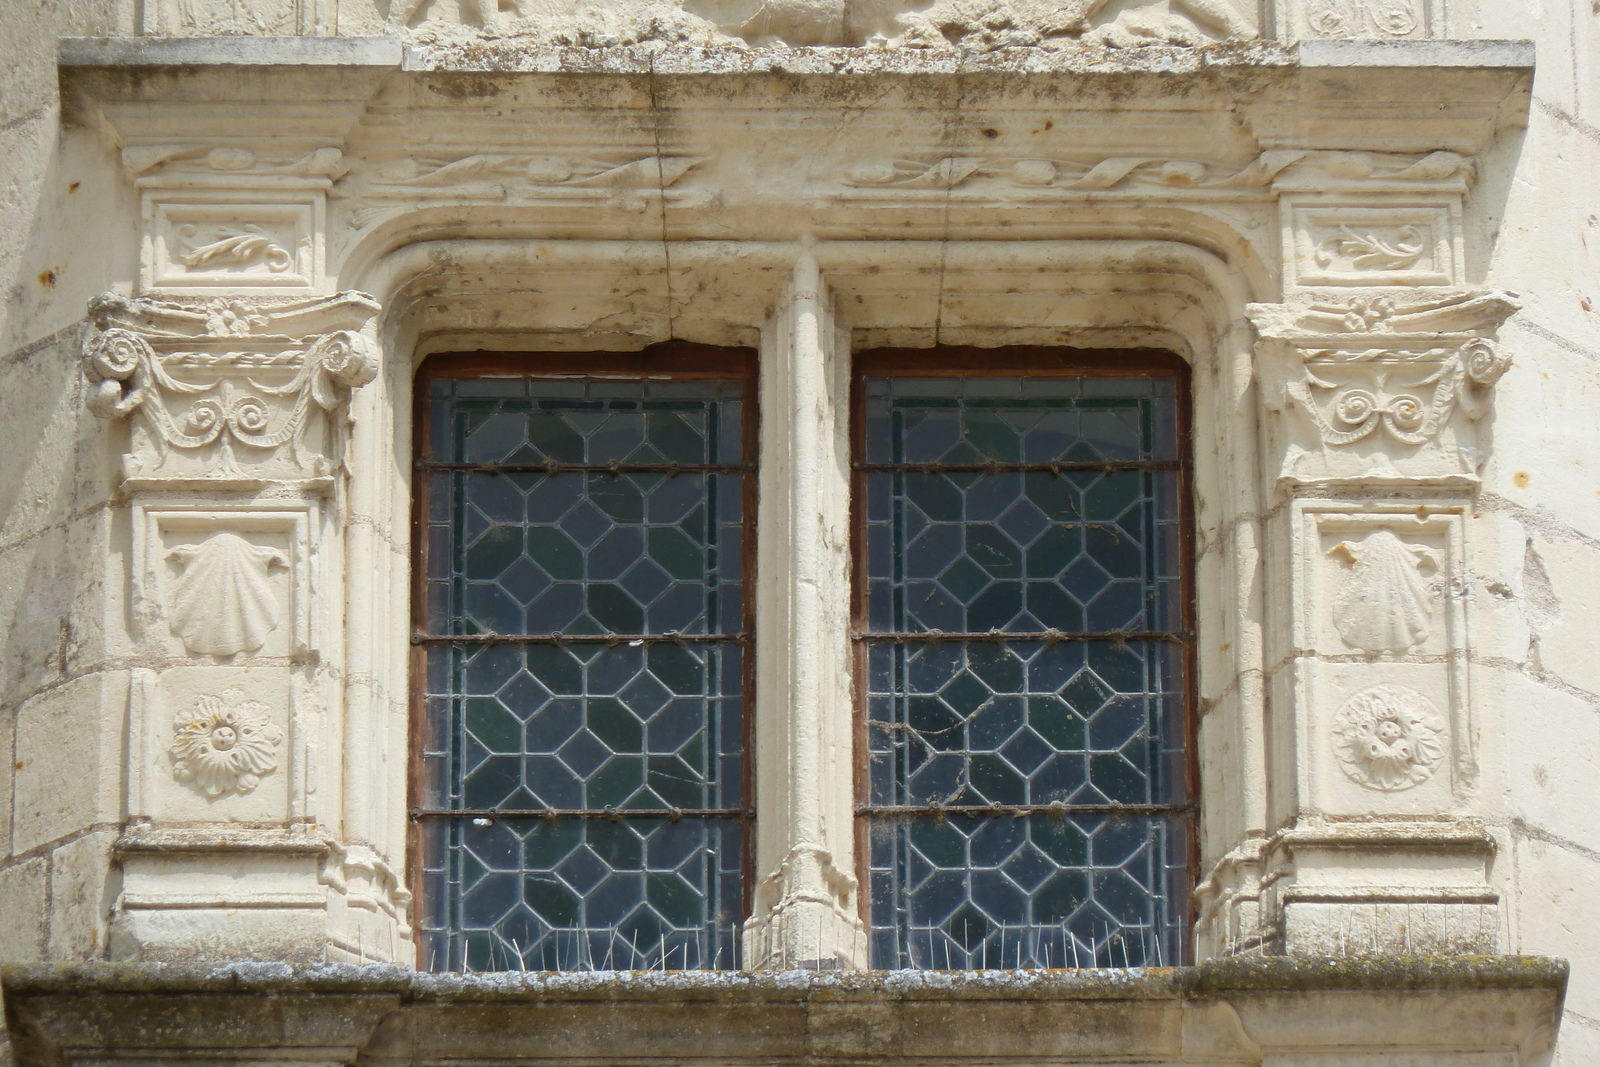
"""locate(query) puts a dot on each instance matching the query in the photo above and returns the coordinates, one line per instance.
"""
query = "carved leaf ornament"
(1389, 738)
(224, 744)
(223, 602)
(1385, 604)
(233, 247)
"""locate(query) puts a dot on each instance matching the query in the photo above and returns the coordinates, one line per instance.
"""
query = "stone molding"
(1285, 1012)
(229, 393)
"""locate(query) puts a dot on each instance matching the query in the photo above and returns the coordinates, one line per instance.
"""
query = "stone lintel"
(1223, 1011)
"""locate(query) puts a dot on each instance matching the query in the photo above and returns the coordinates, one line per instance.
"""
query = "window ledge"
(1219, 1012)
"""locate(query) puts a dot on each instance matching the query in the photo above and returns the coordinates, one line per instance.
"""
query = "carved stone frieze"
(971, 25)
(1379, 389)
(1379, 19)
(1000, 176)
(629, 182)
(250, 390)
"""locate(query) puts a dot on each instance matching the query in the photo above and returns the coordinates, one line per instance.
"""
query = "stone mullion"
(805, 905)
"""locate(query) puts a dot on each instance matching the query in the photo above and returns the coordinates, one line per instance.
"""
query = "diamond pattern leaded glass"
(583, 781)
(1027, 794)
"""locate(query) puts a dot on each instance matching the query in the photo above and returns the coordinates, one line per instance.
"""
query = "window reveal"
(1025, 655)
(582, 792)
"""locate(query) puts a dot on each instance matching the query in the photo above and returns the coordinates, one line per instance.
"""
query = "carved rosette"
(1384, 390)
(224, 744)
(1389, 738)
(230, 390)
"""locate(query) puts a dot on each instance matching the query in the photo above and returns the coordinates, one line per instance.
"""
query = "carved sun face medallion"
(225, 743)
(1389, 738)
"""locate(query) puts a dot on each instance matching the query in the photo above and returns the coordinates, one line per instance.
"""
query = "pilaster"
(1377, 376)
(236, 419)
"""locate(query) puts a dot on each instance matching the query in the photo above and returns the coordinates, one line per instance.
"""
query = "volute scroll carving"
(241, 390)
(1376, 384)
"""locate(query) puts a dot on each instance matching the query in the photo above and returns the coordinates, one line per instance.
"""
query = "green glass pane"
(616, 725)
(676, 553)
(557, 553)
(673, 899)
(495, 728)
(939, 842)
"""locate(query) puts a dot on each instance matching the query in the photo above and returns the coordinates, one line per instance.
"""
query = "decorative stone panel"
(229, 393)
(1385, 719)
(1378, 387)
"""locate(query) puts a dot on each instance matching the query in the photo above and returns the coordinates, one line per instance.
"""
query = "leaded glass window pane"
(1025, 657)
(582, 789)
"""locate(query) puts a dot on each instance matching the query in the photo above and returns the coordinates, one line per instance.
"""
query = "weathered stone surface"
(1221, 1012)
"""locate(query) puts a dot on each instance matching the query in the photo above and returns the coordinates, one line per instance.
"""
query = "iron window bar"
(610, 814)
(1004, 467)
(1049, 637)
(559, 467)
(609, 639)
(1020, 811)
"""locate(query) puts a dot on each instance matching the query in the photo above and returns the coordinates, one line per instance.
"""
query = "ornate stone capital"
(1376, 389)
(229, 393)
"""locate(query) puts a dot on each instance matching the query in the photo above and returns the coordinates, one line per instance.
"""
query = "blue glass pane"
(975, 892)
(589, 894)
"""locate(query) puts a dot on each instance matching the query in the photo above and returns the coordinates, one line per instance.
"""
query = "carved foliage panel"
(1383, 20)
(1372, 244)
(1379, 683)
(271, 244)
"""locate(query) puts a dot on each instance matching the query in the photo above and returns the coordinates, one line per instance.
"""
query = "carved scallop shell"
(223, 602)
(1384, 604)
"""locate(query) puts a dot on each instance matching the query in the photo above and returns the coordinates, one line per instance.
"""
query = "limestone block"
(55, 596)
(82, 891)
(69, 759)
(8, 734)
(24, 893)
(39, 404)
(1554, 887)
(1560, 579)
(1530, 757)
(226, 898)
(1497, 614)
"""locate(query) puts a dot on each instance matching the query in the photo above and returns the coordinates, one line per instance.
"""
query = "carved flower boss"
(1389, 738)
(225, 744)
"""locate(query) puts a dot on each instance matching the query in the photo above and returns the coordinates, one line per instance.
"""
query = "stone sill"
(1277, 974)
(492, 55)
(1221, 1012)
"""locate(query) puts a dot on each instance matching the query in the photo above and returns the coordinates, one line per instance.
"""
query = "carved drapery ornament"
(246, 391)
(1381, 390)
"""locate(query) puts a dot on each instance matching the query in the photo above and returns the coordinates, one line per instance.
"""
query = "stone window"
(584, 630)
(583, 790)
(1023, 611)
